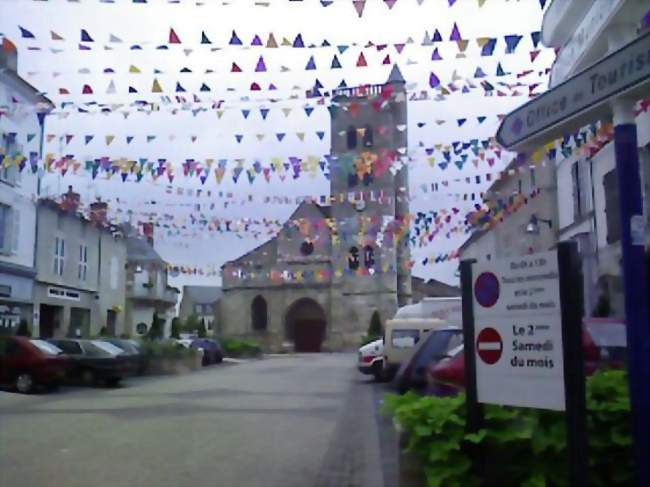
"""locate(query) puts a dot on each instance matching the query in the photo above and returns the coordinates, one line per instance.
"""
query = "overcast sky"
(148, 26)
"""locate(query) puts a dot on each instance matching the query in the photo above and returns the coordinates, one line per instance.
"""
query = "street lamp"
(533, 224)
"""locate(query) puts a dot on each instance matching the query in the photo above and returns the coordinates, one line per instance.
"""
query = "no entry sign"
(489, 346)
(518, 332)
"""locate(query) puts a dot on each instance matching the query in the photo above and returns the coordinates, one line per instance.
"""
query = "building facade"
(317, 283)
(22, 115)
(523, 217)
(79, 285)
(203, 302)
(147, 288)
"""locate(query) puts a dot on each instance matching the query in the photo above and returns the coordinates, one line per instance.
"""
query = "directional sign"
(518, 332)
(579, 100)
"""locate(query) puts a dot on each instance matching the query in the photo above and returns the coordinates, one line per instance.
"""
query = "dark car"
(212, 350)
(133, 352)
(435, 346)
(604, 345)
(93, 361)
(26, 364)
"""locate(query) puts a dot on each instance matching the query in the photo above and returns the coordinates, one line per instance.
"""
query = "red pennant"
(361, 62)
(173, 38)
(534, 54)
(386, 60)
(87, 90)
(235, 68)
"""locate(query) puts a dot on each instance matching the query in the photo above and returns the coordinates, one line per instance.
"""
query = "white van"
(410, 323)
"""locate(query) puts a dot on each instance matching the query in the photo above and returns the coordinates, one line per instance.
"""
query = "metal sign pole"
(573, 357)
(475, 420)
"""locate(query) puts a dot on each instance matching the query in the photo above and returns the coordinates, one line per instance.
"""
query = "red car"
(26, 364)
(603, 341)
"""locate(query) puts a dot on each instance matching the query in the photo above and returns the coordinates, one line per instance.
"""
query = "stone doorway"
(305, 325)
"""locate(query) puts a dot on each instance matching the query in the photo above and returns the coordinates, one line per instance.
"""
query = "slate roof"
(139, 250)
(202, 294)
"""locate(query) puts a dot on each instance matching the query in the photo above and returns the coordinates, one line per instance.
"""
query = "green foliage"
(176, 328)
(202, 330)
(23, 329)
(191, 323)
(375, 328)
(166, 350)
(156, 330)
(524, 447)
(103, 332)
(234, 347)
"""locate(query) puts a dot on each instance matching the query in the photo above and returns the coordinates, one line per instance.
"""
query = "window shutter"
(7, 243)
(15, 229)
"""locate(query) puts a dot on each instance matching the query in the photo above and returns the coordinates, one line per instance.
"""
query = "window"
(579, 190)
(83, 262)
(610, 184)
(9, 173)
(533, 179)
(59, 255)
(5, 228)
(368, 136)
(306, 248)
(368, 256)
(404, 338)
(351, 136)
(68, 347)
(259, 314)
(520, 188)
(353, 259)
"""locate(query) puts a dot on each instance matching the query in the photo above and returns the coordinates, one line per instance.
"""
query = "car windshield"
(46, 347)
(106, 347)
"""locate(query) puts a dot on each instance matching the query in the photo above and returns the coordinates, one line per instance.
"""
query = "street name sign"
(580, 99)
(518, 332)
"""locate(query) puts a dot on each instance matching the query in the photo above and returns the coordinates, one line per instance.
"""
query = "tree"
(202, 331)
(156, 331)
(176, 328)
(375, 329)
(23, 329)
(192, 323)
(103, 332)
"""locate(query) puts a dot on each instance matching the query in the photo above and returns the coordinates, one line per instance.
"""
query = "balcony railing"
(135, 291)
(358, 91)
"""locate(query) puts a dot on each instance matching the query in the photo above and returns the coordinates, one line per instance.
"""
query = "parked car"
(603, 341)
(212, 350)
(371, 358)
(26, 364)
(93, 361)
(132, 350)
(432, 348)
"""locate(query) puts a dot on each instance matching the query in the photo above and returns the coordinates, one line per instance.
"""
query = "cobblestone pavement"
(287, 421)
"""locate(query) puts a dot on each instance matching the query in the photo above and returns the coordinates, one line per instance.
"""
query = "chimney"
(8, 55)
(147, 230)
(70, 201)
(99, 213)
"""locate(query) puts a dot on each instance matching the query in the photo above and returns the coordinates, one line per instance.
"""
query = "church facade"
(316, 285)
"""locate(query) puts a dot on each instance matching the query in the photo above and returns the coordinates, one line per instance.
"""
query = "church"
(316, 285)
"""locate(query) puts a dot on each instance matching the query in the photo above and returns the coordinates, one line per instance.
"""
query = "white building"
(22, 115)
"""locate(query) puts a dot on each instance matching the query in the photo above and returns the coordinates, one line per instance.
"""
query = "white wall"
(22, 120)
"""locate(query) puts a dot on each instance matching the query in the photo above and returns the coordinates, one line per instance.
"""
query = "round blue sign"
(486, 289)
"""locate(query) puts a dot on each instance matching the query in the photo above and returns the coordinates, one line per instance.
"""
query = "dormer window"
(353, 259)
(369, 256)
(307, 248)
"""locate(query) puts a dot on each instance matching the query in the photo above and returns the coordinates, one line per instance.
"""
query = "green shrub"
(202, 331)
(521, 446)
(176, 328)
(234, 347)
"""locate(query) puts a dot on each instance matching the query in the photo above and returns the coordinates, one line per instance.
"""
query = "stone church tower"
(370, 125)
(317, 283)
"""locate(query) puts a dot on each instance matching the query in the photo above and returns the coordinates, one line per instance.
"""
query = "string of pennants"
(486, 44)
(359, 5)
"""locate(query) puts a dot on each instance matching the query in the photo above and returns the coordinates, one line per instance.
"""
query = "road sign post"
(522, 326)
(574, 369)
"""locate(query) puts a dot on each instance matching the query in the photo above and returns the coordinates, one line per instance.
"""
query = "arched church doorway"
(305, 324)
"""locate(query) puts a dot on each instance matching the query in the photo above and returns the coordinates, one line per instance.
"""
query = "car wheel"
(113, 381)
(88, 377)
(377, 371)
(24, 383)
